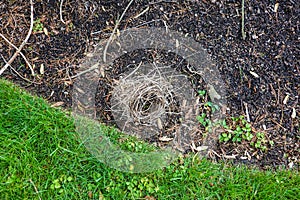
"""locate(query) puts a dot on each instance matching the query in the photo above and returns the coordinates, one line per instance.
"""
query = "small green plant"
(248, 135)
(201, 93)
(58, 183)
(212, 106)
(260, 142)
(204, 120)
(225, 137)
(37, 26)
(240, 131)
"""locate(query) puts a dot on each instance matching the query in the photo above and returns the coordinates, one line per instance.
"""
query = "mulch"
(261, 73)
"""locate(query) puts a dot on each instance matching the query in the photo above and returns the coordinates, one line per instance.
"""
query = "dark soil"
(270, 50)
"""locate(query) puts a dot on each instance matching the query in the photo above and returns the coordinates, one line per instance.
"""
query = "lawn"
(42, 157)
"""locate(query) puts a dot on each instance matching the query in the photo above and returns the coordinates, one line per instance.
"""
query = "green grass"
(40, 149)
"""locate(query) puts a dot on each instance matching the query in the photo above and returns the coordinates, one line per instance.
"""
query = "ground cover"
(259, 61)
(42, 157)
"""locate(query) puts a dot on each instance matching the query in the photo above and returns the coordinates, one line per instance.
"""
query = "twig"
(60, 12)
(243, 20)
(14, 46)
(247, 112)
(23, 43)
(133, 71)
(140, 14)
(95, 66)
(35, 188)
(19, 73)
(114, 31)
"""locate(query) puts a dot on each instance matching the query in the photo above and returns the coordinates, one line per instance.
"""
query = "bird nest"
(152, 101)
(143, 104)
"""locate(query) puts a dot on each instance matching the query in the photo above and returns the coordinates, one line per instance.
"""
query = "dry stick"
(23, 43)
(243, 20)
(19, 73)
(140, 14)
(14, 46)
(107, 44)
(35, 188)
(95, 66)
(60, 12)
(114, 31)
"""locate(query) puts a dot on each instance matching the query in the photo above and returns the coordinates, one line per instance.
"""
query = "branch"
(23, 43)
(243, 20)
(14, 46)
(114, 31)
(60, 12)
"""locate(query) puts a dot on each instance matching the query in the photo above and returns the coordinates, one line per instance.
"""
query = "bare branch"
(60, 12)
(23, 43)
(114, 31)
(14, 46)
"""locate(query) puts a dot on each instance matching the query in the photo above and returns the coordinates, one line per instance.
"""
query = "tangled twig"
(14, 46)
(23, 43)
(145, 100)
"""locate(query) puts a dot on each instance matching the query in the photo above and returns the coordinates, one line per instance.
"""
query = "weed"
(37, 26)
(204, 120)
(213, 107)
(202, 93)
(238, 131)
(241, 130)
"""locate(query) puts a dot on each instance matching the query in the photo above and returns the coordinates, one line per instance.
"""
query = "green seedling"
(37, 26)
(261, 142)
(241, 131)
(225, 137)
(201, 93)
(238, 132)
(212, 106)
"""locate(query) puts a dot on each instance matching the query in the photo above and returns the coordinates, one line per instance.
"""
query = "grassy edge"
(40, 151)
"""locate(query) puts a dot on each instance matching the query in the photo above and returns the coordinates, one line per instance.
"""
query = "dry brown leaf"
(254, 74)
(293, 113)
(90, 194)
(286, 98)
(276, 6)
(165, 139)
(42, 69)
(57, 104)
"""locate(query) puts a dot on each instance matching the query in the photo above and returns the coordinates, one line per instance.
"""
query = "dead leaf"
(42, 69)
(90, 194)
(293, 113)
(176, 43)
(286, 98)
(276, 7)
(57, 104)
(46, 31)
(254, 74)
(149, 198)
(213, 93)
(165, 139)
(159, 124)
(201, 148)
